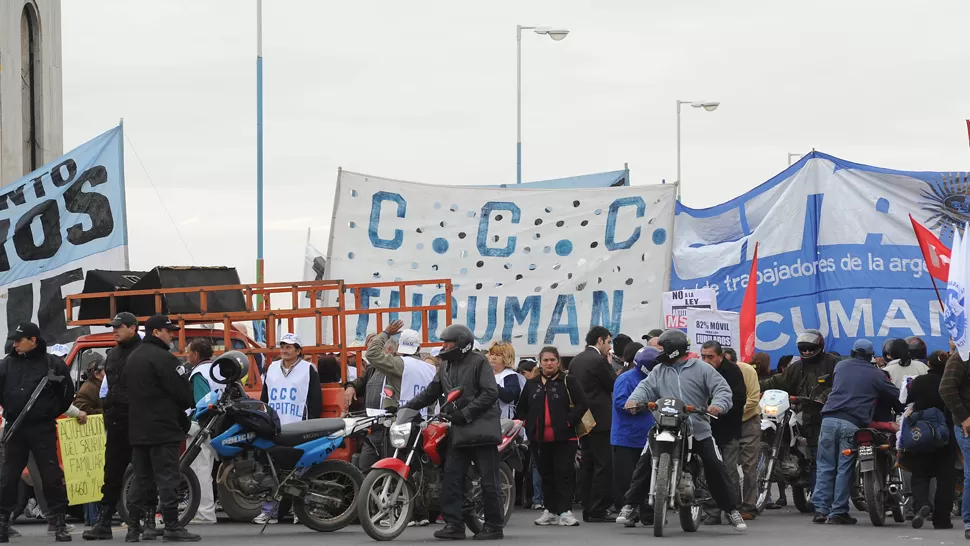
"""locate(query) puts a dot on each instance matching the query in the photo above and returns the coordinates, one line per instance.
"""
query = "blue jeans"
(964, 444)
(536, 487)
(833, 470)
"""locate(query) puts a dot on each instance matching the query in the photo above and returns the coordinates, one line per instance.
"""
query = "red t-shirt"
(547, 435)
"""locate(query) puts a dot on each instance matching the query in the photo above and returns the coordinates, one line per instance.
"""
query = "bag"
(587, 423)
(255, 416)
(924, 431)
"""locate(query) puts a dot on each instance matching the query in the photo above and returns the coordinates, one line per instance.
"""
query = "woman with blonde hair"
(501, 355)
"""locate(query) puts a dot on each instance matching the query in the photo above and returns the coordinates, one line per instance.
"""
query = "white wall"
(11, 118)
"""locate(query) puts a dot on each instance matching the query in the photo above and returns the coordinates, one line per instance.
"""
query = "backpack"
(924, 430)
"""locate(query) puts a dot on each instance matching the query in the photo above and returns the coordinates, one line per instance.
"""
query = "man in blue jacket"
(857, 386)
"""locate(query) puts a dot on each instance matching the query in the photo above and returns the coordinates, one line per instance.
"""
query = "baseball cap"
(24, 330)
(123, 319)
(291, 339)
(60, 350)
(652, 334)
(159, 322)
(409, 343)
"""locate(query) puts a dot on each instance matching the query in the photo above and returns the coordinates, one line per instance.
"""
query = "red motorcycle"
(395, 484)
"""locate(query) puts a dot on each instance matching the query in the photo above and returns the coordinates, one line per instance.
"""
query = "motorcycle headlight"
(771, 411)
(400, 434)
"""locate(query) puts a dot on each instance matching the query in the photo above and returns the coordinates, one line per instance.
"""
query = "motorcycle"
(261, 465)
(784, 455)
(882, 479)
(674, 464)
(394, 484)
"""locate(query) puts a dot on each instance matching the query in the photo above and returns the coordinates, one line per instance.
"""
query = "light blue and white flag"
(955, 317)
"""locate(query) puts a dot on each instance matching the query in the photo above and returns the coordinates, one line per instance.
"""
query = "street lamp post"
(556, 35)
(706, 105)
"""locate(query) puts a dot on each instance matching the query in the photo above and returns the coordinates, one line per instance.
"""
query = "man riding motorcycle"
(801, 379)
(694, 383)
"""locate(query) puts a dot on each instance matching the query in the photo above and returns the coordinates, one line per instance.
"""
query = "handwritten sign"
(82, 455)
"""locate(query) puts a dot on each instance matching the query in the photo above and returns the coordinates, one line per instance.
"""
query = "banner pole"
(937, 290)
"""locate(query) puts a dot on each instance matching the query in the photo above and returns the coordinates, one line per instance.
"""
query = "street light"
(706, 105)
(557, 35)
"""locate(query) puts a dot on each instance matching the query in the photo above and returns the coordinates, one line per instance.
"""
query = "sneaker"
(200, 521)
(605, 517)
(450, 532)
(736, 521)
(627, 517)
(843, 519)
(419, 523)
(920, 516)
(489, 533)
(566, 519)
(538, 506)
(263, 519)
(296, 520)
(179, 534)
(820, 518)
(547, 518)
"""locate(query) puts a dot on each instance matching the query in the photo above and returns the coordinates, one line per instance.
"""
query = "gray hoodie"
(693, 382)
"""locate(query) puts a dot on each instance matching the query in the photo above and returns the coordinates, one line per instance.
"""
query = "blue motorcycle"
(263, 462)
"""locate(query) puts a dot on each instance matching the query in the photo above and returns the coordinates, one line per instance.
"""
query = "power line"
(148, 176)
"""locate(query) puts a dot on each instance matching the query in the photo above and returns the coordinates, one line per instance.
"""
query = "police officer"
(158, 397)
(117, 450)
(21, 373)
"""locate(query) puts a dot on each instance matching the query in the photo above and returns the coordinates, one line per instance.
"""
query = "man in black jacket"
(726, 430)
(592, 371)
(158, 396)
(117, 450)
(475, 432)
(21, 372)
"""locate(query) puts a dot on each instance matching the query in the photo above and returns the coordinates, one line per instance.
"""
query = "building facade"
(31, 102)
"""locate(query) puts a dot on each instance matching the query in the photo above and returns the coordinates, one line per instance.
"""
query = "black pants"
(556, 462)
(716, 475)
(625, 461)
(158, 465)
(41, 440)
(596, 473)
(372, 450)
(457, 463)
(639, 487)
(939, 465)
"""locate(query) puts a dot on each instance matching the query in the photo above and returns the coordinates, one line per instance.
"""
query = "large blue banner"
(836, 252)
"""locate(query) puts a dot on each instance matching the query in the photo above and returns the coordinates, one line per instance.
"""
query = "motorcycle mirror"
(454, 395)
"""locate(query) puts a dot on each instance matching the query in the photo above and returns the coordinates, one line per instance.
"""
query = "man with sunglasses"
(801, 378)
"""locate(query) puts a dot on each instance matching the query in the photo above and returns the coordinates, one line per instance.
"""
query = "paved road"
(787, 527)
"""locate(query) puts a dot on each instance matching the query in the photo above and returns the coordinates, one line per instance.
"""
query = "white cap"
(435, 351)
(291, 339)
(409, 342)
(60, 350)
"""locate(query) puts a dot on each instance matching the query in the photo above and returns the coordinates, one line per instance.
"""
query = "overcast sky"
(425, 91)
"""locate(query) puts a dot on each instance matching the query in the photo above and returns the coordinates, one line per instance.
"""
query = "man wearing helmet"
(800, 378)
(695, 383)
(475, 431)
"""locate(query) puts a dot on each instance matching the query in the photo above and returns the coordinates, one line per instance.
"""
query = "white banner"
(678, 302)
(57, 223)
(705, 325)
(537, 267)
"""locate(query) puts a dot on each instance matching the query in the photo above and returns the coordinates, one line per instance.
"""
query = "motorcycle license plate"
(867, 465)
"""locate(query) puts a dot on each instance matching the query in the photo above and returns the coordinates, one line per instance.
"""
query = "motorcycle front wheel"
(764, 480)
(332, 494)
(802, 497)
(662, 495)
(872, 489)
(386, 504)
(189, 495)
(237, 506)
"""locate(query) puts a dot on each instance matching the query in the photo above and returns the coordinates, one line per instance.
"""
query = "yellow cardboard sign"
(82, 456)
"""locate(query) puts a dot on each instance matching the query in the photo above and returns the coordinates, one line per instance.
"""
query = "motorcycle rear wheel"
(802, 497)
(872, 489)
(338, 481)
(662, 495)
(374, 507)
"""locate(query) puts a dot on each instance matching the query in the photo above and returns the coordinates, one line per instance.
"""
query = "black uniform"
(19, 376)
(157, 424)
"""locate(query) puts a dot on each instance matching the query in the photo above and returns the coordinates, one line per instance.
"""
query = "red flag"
(936, 255)
(749, 313)
(968, 127)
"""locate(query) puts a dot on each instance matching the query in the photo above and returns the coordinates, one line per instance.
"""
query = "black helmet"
(462, 337)
(810, 344)
(917, 348)
(674, 344)
(887, 353)
(230, 366)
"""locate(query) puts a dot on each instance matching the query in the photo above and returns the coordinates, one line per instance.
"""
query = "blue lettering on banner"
(847, 284)
(375, 220)
(567, 303)
(602, 316)
(514, 312)
(492, 313)
(439, 299)
(611, 243)
(487, 210)
(365, 295)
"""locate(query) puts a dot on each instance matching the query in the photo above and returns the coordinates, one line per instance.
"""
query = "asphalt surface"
(787, 527)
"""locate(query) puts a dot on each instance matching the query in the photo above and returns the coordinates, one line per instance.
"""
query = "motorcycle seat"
(293, 434)
(507, 425)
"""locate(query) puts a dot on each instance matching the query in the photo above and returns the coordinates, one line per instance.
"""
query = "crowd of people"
(590, 405)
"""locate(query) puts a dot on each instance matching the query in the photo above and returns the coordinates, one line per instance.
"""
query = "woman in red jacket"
(551, 407)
